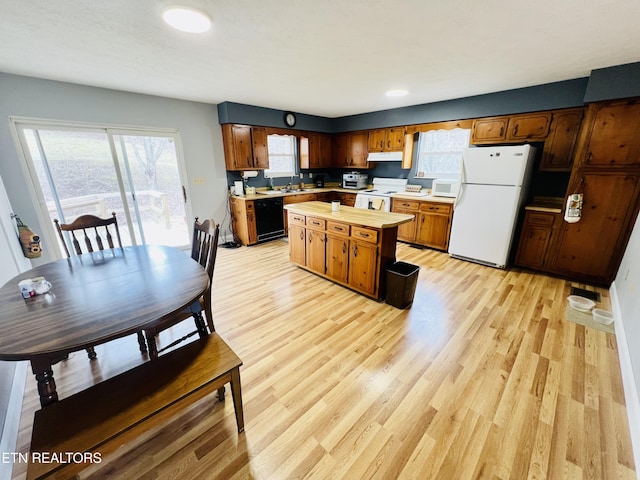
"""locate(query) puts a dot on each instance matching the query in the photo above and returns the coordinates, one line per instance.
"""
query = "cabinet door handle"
(301, 235)
(344, 247)
(588, 159)
(515, 130)
(355, 250)
(501, 130)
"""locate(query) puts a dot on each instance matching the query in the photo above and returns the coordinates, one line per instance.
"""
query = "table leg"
(46, 382)
(236, 393)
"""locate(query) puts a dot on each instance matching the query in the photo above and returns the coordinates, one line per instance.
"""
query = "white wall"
(625, 295)
(12, 262)
(197, 124)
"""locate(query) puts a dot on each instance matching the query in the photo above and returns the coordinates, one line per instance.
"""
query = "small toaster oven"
(354, 180)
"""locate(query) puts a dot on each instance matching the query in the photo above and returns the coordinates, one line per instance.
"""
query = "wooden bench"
(102, 418)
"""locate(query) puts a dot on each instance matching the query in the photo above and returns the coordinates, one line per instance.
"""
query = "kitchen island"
(351, 247)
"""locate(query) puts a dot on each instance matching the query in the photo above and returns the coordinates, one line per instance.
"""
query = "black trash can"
(402, 278)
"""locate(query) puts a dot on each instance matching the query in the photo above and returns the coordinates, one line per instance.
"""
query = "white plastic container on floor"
(602, 316)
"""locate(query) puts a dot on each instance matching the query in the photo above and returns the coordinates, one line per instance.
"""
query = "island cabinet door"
(363, 259)
(297, 244)
(337, 258)
(316, 251)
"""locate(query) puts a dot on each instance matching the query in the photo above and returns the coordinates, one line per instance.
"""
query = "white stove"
(379, 197)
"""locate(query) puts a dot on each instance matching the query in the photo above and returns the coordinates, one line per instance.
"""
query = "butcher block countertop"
(546, 204)
(351, 215)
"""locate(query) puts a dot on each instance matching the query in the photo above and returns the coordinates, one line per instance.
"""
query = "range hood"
(385, 156)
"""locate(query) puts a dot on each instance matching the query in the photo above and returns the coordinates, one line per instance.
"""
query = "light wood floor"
(482, 378)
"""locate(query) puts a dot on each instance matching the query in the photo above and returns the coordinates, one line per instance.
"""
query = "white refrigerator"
(493, 187)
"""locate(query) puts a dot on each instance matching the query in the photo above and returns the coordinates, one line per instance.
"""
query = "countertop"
(424, 198)
(277, 193)
(546, 204)
(351, 215)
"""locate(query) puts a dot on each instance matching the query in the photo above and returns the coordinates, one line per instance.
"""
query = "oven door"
(350, 184)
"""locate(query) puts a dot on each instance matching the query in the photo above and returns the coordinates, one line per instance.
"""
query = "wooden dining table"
(94, 298)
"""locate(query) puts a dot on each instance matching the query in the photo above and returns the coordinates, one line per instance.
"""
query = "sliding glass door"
(97, 171)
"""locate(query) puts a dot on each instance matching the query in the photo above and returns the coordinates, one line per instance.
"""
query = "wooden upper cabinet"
(260, 148)
(340, 149)
(511, 129)
(534, 126)
(386, 139)
(559, 146)
(319, 150)
(245, 147)
(611, 133)
(350, 150)
(238, 150)
(489, 130)
(359, 150)
(376, 140)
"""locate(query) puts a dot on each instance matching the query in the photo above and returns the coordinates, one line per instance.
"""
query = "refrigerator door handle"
(460, 183)
(460, 191)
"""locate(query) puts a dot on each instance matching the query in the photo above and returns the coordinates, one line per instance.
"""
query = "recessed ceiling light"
(400, 92)
(187, 20)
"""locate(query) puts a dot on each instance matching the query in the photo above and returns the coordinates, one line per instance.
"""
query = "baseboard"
(628, 380)
(12, 422)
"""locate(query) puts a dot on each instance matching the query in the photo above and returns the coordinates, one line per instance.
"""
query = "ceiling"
(320, 57)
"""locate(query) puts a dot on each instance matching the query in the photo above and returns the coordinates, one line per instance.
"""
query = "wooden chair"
(90, 223)
(93, 226)
(203, 251)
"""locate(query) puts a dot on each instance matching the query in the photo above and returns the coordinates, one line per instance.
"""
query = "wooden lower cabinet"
(297, 198)
(316, 245)
(363, 257)
(537, 232)
(337, 257)
(345, 198)
(406, 231)
(297, 244)
(432, 226)
(353, 256)
(243, 221)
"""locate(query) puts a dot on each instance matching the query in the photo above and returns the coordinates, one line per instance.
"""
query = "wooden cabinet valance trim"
(450, 125)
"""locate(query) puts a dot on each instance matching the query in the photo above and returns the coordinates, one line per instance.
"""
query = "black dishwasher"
(269, 218)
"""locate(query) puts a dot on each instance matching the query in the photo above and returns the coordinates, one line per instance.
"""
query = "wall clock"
(289, 119)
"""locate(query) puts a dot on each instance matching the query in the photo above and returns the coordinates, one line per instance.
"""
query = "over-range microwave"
(444, 187)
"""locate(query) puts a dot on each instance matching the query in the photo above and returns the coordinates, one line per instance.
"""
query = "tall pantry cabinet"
(607, 174)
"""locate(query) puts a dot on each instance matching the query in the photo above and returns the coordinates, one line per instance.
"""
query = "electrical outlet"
(198, 181)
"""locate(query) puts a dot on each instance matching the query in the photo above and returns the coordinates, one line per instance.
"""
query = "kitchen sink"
(286, 190)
